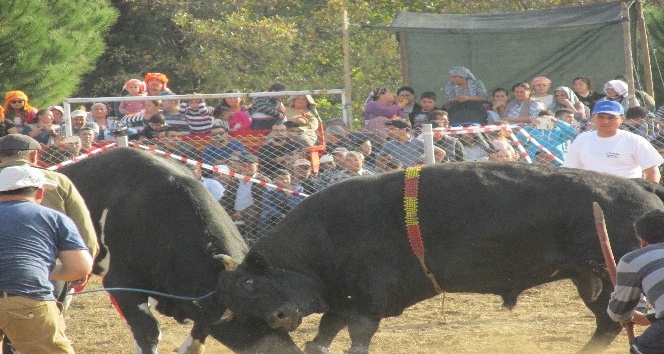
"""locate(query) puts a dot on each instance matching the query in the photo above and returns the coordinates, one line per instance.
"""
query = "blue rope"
(149, 292)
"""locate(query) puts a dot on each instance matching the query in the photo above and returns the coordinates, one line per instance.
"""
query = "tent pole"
(403, 55)
(348, 109)
(629, 64)
(645, 48)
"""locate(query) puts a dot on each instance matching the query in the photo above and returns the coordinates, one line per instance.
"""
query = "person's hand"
(567, 103)
(282, 108)
(79, 282)
(639, 319)
(237, 215)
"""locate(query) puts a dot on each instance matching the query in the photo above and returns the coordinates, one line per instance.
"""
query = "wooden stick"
(604, 242)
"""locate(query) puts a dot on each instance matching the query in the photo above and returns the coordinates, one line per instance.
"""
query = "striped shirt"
(199, 120)
(639, 271)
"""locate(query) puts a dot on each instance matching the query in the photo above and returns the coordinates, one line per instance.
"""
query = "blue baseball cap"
(609, 107)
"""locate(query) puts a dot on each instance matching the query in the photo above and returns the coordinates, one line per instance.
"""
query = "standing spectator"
(381, 103)
(642, 272)
(99, 115)
(554, 137)
(267, 111)
(565, 98)
(212, 185)
(155, 84)
(327, 169)
(454, 149)
(79, 119)
(18, 110)
(523, 109)
(240, 121)
(463, 87)
(222, 147)
(173, 143)
(276, 152)
(612, 150)
(499, 98)
(32, 239)
(635, 121)
(276, 203)
(44, 131)
(172, 116)
(87, 137)
(583, 88)
(198, 115)
(406, 98)
(6, 126)
(300, 110)
(427, 105)
(541, 86)
(302, 176)
(404, 147)
(134, 88)
(140, 120)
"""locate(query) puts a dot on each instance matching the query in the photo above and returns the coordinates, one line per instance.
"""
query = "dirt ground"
(547, 319)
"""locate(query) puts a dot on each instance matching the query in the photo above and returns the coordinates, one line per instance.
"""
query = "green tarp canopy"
(502, 49)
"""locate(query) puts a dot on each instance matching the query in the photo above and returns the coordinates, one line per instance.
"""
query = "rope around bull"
(149, 292)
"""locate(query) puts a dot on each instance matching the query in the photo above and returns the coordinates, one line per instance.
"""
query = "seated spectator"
(477, 147)
(18, 109)
(296, 133)
(506, 154)
(337, 136)
(87, 137)
(567, 116)
(99, 115)
(303, 177)
(198, 116)
(43, 130)
(173, 143)
(499, 98)
(240, 121)
(327, 168)
(540, 90)
(276, 203)
(173, 117)
(523, 108)
(660, 113)
(643, 99)
(406, 99)
(222, 147)
(353, 166)
(63, 149)
(565, 98)
(392, 166)
(427, 105)
(300, 110)
(242, 198)
(267, 111)
(79, 119)
(583, 89)
(277, 150)
(381, 103)
(552, 133)
(635, 121)
(6, 126)
(212, 185)
(364, 145)
(58, 112)
(339, 156)
(403, 146)
(617, 91)
(222, 116)
(454, 149)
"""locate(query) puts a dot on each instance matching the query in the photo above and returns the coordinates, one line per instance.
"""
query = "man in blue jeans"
(32, 238)
(642, 271)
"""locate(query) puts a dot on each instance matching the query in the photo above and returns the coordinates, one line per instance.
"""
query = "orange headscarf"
(2, 112)
(159, 76)
(12, 95)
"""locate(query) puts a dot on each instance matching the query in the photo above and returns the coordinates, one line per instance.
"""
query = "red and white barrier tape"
(213, 168)
(78, 158)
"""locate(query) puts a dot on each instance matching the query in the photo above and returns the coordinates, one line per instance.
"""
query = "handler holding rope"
(642, 271)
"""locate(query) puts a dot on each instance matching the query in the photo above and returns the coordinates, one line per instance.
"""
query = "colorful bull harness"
(410, 201)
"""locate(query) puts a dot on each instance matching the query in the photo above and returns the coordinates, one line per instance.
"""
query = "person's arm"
(439, 154)
(652, 174)
(73, 265)
(76, 209)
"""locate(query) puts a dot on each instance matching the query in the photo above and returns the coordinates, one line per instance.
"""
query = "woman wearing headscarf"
(523, 108)
(564, 97)
(380, 103)
(464, 87)
(540, 90)
(18, 110)
(616, 91)
(301, 110)
(156, 84)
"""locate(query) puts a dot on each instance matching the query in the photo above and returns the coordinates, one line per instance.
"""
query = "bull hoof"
(312, 348)
(358, 350)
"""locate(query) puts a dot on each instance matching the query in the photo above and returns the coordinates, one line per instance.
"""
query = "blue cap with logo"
(609, 107)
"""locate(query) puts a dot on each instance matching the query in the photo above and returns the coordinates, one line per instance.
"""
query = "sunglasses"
(17, 101)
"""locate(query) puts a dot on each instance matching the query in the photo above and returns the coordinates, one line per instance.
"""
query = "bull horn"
(228, 261)
(227, 316)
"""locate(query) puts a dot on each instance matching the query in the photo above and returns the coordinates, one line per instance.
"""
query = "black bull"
(487, 228)
(160, 228)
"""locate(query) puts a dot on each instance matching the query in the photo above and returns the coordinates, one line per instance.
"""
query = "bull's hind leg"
(136, 312)
(330, 325)
(607, 329)
(361, 329)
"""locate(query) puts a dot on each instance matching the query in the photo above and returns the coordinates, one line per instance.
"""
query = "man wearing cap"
(611, 150)
(403, 146)
(302, 176)
(328, 168)
(32, 238)
(353, 166)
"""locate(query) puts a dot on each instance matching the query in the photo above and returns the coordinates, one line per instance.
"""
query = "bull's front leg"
(362, 330)
(607, 329)
(134, 307)
(330, 325)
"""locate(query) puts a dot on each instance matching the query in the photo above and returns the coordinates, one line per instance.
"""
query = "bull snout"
(287, 318)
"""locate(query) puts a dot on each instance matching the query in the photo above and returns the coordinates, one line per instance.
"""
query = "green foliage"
(48, 45)
(655, 20)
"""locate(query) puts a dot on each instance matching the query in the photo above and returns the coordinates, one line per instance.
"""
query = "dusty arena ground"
(548, 319)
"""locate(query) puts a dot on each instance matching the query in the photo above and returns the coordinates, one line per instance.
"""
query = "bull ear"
(256, 263)
(228, 261)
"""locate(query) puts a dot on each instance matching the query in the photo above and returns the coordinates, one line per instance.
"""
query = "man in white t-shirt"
(611, 150)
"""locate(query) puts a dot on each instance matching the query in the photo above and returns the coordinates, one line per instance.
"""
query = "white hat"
(326, 158)
(301, 162)
(223, 169)
(16, 177)
(79, 113)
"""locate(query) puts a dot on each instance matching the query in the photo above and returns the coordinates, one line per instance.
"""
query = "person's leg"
(36, 326)
(651, 341)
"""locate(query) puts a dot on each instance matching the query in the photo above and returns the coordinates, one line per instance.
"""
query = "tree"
(48, 45)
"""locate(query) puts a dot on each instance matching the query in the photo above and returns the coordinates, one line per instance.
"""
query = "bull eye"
(248, 284)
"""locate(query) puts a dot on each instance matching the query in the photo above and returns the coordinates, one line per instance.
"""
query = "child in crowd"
(134, 87)
(198, 115)
(232, 120)
(266, 111)
(156, 128)
(428, 103)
